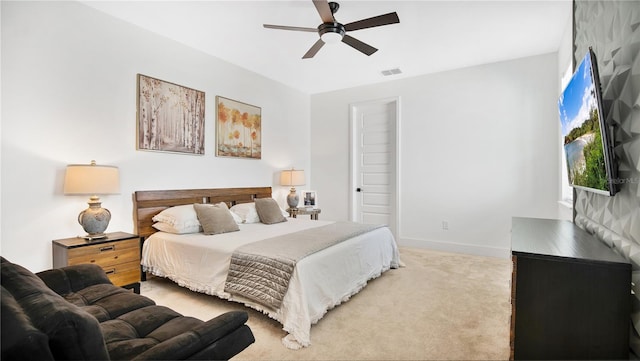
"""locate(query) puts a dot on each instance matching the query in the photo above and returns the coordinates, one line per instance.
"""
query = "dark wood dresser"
(570, 294)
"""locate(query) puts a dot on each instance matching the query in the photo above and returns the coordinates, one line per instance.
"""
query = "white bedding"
(320, 281)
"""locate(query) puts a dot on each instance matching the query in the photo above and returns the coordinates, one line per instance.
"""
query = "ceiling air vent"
(393, 71)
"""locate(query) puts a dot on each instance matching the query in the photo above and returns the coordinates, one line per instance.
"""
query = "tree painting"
(238, 129)
(170, 117)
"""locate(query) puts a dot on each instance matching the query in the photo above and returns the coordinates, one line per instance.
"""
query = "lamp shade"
(292, 177)
(91, 179)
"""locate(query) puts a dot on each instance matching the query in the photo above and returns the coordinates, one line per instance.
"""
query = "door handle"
(358, 189)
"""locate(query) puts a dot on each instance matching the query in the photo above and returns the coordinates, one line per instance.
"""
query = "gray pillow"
(215, 219)
(269, 211)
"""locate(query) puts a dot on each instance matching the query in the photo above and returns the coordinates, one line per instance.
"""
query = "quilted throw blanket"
(261, 270)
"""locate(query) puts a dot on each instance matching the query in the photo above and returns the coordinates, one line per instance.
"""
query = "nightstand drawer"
(123, 274)
(106, 254)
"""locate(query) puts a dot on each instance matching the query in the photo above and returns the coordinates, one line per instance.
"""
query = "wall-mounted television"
(587, 140)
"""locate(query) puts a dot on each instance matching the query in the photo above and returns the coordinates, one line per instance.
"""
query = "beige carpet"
(441, 306)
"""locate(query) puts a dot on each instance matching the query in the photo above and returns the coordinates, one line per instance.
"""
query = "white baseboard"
(453, 247)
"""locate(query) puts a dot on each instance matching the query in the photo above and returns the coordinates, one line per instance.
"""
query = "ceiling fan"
(332, 31)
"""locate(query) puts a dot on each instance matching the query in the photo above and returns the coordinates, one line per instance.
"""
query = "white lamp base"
(292, 198)
(94, 219)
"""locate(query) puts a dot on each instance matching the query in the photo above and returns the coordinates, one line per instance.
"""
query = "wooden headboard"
(147, 204)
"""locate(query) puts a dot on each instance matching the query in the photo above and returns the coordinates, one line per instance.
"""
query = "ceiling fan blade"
(294, 28)
(359, 45)
(324, 10)
(386, 19)
(314, 49)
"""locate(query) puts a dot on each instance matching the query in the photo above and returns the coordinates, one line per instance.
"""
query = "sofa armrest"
(21, 340)
(70, 279)
(193, 342)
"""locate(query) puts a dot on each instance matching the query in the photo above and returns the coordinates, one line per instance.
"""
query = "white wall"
(69, 96)
(478, 146)
(565, 70)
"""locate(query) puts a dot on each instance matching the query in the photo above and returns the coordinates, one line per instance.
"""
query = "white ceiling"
(432, 36)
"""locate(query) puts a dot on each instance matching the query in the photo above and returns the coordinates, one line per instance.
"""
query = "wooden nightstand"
(294, 212)
(118, 254)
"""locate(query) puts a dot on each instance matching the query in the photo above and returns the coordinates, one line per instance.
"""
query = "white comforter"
(320, 281)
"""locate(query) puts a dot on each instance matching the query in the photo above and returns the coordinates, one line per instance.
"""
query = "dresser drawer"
(106, 254)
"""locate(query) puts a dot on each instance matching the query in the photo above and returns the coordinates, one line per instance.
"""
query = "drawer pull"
(109, 248)
(110, 272)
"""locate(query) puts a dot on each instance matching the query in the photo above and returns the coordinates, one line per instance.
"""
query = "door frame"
(353, 110)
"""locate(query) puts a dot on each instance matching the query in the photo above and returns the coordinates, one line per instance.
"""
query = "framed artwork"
(308, 199)
(170, 117)
(238, 129)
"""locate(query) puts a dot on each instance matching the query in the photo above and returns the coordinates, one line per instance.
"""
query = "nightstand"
(313, 212)
(118, 254)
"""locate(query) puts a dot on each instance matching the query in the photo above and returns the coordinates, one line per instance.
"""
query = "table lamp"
(92, 179)
(292, 177)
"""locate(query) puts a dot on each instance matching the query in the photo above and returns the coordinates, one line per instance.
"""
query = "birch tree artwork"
(170, 117)
(238, 129)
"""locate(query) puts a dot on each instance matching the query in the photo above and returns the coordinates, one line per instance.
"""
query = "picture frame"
(238, 129)
(170, 117)
(308, 199)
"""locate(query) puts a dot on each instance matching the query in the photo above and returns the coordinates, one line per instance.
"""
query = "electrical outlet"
(445, 225)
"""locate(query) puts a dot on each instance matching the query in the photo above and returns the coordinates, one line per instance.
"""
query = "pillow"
(215, 219)
(247, 212)
(166, 227)
(179, 217)
(236, 217)
(268, 211)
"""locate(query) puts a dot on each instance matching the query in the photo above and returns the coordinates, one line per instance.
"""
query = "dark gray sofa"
(76, 313)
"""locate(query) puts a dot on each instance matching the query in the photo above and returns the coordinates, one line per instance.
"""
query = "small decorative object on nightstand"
(117, 253)
(312, 212)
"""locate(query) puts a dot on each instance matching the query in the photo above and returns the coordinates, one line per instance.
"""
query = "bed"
(319, 281)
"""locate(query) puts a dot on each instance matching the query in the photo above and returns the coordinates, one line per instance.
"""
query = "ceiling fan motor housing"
(334, 6)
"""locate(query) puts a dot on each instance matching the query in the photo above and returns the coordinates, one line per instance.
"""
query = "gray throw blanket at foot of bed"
(261, 270)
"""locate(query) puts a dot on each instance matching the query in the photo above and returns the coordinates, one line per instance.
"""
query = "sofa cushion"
(142, 329)
(88, 287)
(73, 333)
(155, 332)
(74, 278)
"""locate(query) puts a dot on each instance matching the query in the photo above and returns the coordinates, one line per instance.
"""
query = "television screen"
(587, 145)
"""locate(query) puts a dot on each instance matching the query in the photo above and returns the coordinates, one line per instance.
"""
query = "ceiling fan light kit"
(331, 31)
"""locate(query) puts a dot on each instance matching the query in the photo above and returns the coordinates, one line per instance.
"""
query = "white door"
(374, 162)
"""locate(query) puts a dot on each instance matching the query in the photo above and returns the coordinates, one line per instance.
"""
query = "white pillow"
(180, 217)
(247, 212)
(166, 227)
(183, 219)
